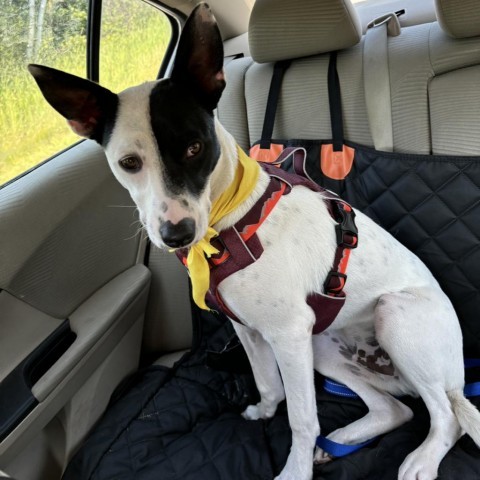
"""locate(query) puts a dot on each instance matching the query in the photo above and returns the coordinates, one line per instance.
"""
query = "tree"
(39, 26)
(31, 30)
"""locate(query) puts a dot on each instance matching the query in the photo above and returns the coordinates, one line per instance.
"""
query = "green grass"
(31, 131)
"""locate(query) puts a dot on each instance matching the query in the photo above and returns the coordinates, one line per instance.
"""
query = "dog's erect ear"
(199, 60)
(83, 103)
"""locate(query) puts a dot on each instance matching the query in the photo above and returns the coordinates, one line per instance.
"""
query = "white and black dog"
(165, 146)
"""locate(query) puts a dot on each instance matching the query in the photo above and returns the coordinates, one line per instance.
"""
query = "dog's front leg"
(293, 350)
(265, 371)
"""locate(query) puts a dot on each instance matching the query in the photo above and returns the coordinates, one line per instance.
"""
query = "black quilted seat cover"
(185, 424)
(431, 204)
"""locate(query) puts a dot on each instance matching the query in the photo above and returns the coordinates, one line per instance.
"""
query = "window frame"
(94, 30)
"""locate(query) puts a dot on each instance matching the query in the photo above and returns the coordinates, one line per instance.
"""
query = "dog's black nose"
(179, 234)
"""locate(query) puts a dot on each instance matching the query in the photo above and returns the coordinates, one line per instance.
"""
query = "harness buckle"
(346, 230)
(334, 283)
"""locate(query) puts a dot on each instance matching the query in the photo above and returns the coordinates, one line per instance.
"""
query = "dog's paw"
(258, 411)
(292, 476)
(287, 475)
(417, 467)
(321, 456)
(299, 463)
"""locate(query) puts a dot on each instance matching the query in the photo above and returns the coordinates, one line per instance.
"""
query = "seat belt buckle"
(346, 230)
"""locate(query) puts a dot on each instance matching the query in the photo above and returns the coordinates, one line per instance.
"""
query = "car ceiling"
(233, 15)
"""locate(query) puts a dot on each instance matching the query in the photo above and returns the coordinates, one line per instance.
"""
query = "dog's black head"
(159, 137)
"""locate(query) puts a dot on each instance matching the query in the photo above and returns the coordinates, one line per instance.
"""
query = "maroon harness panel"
(239, 246)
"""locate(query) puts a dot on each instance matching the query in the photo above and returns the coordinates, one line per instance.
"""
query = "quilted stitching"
(431, 205)
(186, 425)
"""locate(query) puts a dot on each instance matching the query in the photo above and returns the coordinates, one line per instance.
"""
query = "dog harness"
(239, 245)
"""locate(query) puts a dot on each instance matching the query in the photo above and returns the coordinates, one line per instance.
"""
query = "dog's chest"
(298, 240)
(296, 254)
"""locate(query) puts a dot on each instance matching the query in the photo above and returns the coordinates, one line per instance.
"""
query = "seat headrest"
(459, 18)
(287, 29)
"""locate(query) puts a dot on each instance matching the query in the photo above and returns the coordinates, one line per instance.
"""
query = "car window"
(133, 40)
(51, 33)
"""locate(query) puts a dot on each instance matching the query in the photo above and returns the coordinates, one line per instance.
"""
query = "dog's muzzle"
(179, 234)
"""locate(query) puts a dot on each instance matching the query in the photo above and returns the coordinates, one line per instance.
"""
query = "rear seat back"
(428, 115)
(279, 30)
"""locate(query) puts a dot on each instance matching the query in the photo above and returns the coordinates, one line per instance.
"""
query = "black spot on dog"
(372, 342)
(348, 351)
(178, 120)
(355, 370)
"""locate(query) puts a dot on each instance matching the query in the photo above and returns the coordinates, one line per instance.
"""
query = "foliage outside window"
(134, 39)
(49, 32)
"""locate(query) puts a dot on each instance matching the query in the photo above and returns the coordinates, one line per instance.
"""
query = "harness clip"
(334, 283)
(346, 230)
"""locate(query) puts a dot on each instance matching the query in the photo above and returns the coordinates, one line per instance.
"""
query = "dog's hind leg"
(445, 430)
(265, 371)
(385, 412)
(420, 331)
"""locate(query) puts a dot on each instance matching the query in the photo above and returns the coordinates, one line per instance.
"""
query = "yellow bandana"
(239, 190)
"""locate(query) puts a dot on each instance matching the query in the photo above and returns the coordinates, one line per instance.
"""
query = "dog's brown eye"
(131, 164)
(193, 149)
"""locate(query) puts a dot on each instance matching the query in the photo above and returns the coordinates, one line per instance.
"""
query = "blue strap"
(339, 449)
(472, 389)
(338, 389)
(472, 362)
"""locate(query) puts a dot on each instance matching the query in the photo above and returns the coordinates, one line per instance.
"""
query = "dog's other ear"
(83, 103)
(199, 60)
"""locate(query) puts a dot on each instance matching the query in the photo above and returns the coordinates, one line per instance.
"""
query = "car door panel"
(23, 329)
(16, 397)
(70, 285)
(60, 215)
